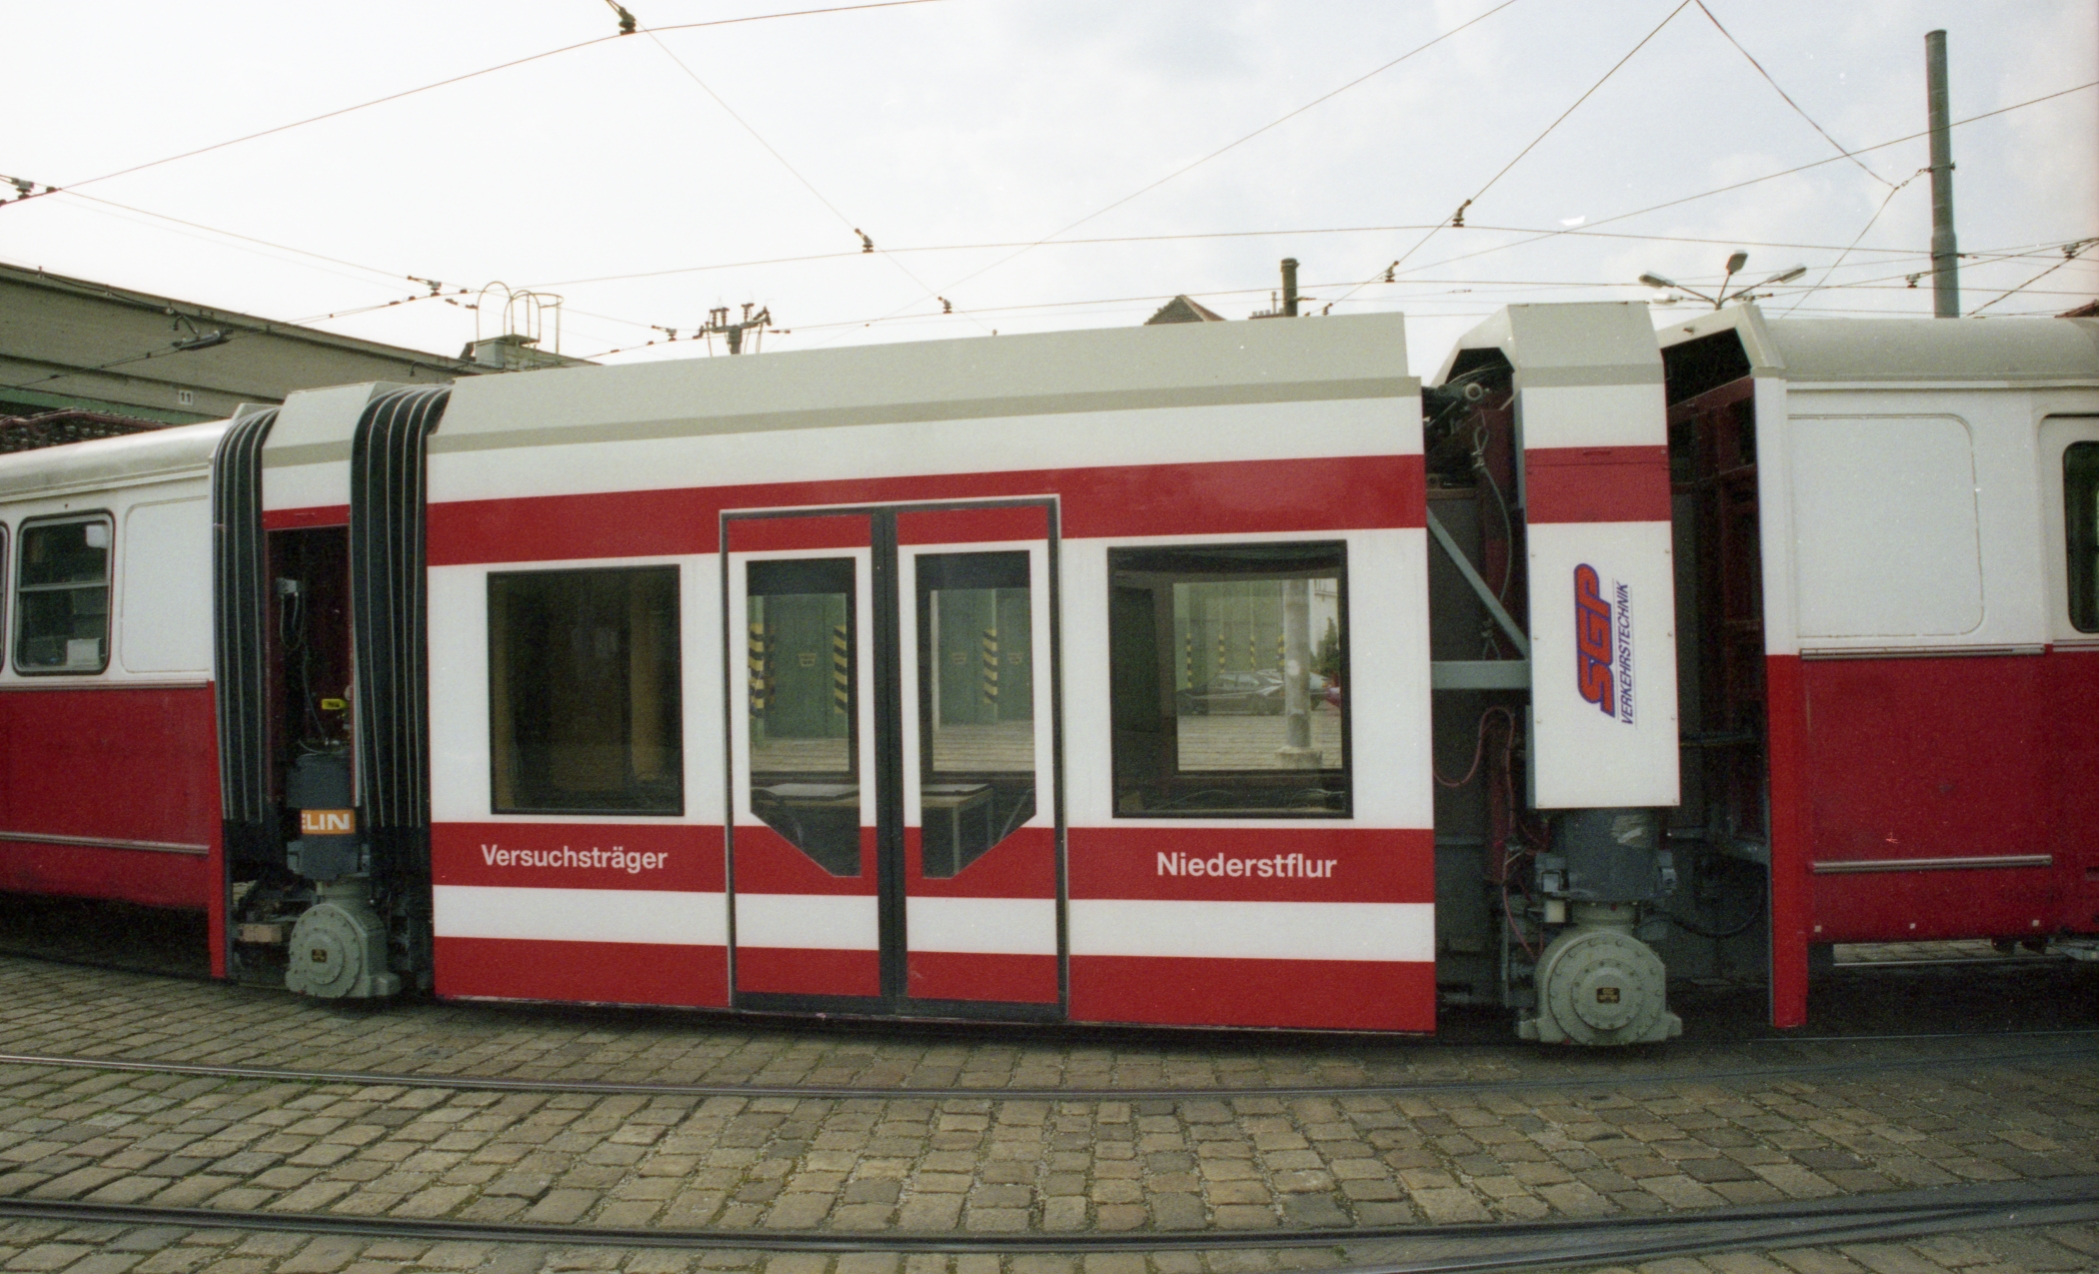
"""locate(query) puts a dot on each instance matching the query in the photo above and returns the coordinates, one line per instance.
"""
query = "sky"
(1033, 165)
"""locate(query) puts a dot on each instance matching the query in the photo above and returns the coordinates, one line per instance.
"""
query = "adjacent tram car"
(1206, 674)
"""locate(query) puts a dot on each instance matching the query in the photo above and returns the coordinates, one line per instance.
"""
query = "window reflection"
(62, 612)
(584, 691)
(801, 688)
(1228, 670)
(976, 664)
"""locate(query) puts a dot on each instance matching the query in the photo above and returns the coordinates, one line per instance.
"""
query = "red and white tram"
(1215, 674)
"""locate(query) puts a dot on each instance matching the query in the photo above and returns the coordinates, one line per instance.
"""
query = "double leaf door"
(893, 845)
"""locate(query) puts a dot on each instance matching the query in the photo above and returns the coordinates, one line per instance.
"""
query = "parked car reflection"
(1256, 693)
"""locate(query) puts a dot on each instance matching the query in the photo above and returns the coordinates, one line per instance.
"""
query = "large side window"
(1229, 675)
(62, 596)
(2081, 523)
(584, 691)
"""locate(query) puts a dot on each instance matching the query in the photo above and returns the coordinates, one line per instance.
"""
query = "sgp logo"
(1593, 639)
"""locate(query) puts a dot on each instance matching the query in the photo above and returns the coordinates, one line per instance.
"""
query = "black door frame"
(884, 680)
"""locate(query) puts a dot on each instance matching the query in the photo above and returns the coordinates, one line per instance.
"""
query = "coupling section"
(1597, 982)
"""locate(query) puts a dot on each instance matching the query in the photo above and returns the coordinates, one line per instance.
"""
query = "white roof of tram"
(180, 451)
(1857, 350)
(1566, 344)
(1181, 364)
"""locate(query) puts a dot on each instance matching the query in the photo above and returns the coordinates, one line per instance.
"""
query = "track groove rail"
(512, 1084)
(1464, 1247)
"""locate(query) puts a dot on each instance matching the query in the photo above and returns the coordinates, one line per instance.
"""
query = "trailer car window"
(584, 713)
(62, 596)
(1228, 680)
(2081, 522)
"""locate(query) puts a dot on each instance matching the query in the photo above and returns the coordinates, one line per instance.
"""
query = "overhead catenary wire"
(1184, 169)
(1186, 236)
(1864, 230)
(1580, 231)
(1470, 289)
(792, 171)
(2070, 251)
(1775, 87)
(1459, 216)
(455, 79)
(1752, 181)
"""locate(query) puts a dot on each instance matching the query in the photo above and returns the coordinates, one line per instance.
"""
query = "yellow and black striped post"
(1220, 650)
(991, 666)
(841, 671)
(761, 683)
(1190, 657)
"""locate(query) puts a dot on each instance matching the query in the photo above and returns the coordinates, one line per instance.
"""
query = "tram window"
(976, 709)
(1228, 680)
(62, 596)
(2081, 522)
(584, 713)
(802, 690)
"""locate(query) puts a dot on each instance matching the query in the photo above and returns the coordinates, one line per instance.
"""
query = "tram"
(1211, 674)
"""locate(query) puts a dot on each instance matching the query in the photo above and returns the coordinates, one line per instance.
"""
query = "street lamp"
(1735, 262)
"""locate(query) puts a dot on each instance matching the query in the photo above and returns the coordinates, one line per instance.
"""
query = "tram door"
(893, 845)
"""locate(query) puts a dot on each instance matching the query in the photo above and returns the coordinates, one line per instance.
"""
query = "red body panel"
(1236, 497)
(973, 526)
(1792, 835)
(1334, 995)
(590, 972)
(301, 519)
(769, 863)
(1953, 758)
(1024, 865)
(808, 971)
(1596, 484)
(763, 535)
(470, 854)
(1370, 864)
(977, 975)
(120, 765)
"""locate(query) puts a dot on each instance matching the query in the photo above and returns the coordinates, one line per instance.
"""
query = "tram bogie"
(1215, 675)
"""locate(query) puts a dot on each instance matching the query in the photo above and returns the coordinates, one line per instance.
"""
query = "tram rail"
(2083, 1045)
(1423, 1249)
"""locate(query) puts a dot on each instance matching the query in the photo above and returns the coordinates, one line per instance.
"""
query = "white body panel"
(1620, 751)
(1589, 377)
(654, 916)
(155, 489)
(1254, 930)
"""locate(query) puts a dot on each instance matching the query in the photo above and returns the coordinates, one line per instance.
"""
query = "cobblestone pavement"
(1591, 1134)
(978, 1166)
(60, 1009)
(44, 1247)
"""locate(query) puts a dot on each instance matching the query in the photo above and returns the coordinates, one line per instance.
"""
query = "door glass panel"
(802, 691)
(976, 677)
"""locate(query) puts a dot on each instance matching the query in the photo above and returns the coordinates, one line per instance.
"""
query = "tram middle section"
(1222, 675)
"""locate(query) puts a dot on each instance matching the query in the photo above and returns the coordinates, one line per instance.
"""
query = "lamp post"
(1722, 297)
